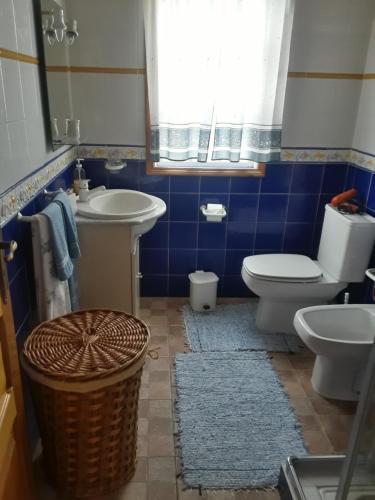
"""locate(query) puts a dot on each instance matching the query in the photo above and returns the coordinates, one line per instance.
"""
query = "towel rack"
(25, 218)
(30, 218)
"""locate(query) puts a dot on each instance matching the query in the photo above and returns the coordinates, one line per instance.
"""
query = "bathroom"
(96, 80)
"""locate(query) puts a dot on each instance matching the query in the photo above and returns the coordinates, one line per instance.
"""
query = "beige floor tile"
(142, 446)
(257, 495)
(134, 491)
(159, 390)
(161, 376)
(160, 408)
(142, 426)
(141, 471)
(177, 344)
(160, 446)
(317, 442)
(221, 494)
(162, 469)
(160, 426)
(161, 491)
(301, 405)
(143, 408)
(160, 364)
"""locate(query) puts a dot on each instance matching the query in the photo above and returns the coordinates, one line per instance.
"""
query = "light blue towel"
(62, 261)
(70, 224)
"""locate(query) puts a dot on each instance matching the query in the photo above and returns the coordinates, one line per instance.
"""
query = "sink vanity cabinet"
(108, 271)
(109, 228)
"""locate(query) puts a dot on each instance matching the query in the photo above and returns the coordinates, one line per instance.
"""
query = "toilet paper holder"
(214, 212)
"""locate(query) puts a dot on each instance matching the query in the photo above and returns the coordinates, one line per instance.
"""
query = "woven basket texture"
(89, 439)
(86, 344)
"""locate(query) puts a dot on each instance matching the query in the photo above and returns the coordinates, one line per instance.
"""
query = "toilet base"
(338, 378)
(276, 316)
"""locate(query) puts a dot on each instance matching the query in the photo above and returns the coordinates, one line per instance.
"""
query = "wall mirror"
(94, 69)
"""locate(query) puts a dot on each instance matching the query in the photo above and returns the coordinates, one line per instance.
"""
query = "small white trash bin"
(203, 290)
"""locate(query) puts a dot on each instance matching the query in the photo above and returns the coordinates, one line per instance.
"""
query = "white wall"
(110, 106)
(364, 135)
(22, 141)
(329, 36)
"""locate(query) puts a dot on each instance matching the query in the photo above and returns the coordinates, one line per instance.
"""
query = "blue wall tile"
(154, 183)
(371, 196)
(183, 235)
(245, 184)
(182, 261)
(183, 207)
(184, 184)
(240, 235)
(361, 182)
(277, 178)
(233, 286)
(158, 237)
(334, 178)
(243, 207)
(154, 286)
(269, 236)
(154, 261)
(298, 237)
(211, 235)
(179, 286)
(302, 207)
(211, 260)
(19, 292)
(215, 184)
(307, 178)
(233, 261)
(272, 207)
(128, 177)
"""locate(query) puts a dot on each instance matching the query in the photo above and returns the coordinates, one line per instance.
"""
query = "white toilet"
(341, 336)
(288, 282)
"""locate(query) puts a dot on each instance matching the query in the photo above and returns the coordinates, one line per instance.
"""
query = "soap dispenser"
(79, 174)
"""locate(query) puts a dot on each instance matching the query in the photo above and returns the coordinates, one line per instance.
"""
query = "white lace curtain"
(217, 67)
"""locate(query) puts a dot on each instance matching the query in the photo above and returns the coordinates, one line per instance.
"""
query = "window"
(216, 77)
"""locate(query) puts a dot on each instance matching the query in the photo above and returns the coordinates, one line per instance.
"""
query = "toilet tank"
(346, 244)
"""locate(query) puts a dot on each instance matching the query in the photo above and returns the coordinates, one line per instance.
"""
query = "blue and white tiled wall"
(281, 212)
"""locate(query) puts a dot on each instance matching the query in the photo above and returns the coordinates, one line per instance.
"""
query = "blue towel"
(62, 261)
(70, 224)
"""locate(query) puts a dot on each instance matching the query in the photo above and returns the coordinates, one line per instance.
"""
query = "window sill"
(259, 171)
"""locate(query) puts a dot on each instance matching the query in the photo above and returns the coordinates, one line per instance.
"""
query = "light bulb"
(71, 32)
(49, 30)
(59, 25)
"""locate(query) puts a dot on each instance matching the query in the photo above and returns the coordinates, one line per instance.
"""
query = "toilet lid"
(283, 267)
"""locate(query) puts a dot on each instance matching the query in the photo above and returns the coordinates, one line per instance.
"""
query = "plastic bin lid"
(86, 345)
(202, 277)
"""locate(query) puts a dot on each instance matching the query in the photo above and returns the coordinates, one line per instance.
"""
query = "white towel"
(53, 297)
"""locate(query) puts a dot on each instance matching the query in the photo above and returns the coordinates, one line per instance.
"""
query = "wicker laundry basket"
(85, 370)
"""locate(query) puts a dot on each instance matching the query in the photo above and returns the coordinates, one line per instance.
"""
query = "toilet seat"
(288, 268)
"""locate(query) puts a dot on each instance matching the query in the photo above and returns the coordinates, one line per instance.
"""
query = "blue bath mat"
(232, 328)
(235, 423)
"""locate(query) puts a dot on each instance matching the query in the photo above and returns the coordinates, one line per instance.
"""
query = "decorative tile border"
(315, 155)
(100, 151)
(13, 200)
(361, 159)
(295, 155)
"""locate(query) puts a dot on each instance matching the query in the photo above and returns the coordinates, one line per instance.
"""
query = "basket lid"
(86, 344)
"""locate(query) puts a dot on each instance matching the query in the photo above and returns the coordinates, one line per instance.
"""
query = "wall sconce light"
(55, 28)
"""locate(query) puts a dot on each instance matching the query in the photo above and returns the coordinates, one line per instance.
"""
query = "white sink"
(118, 204)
